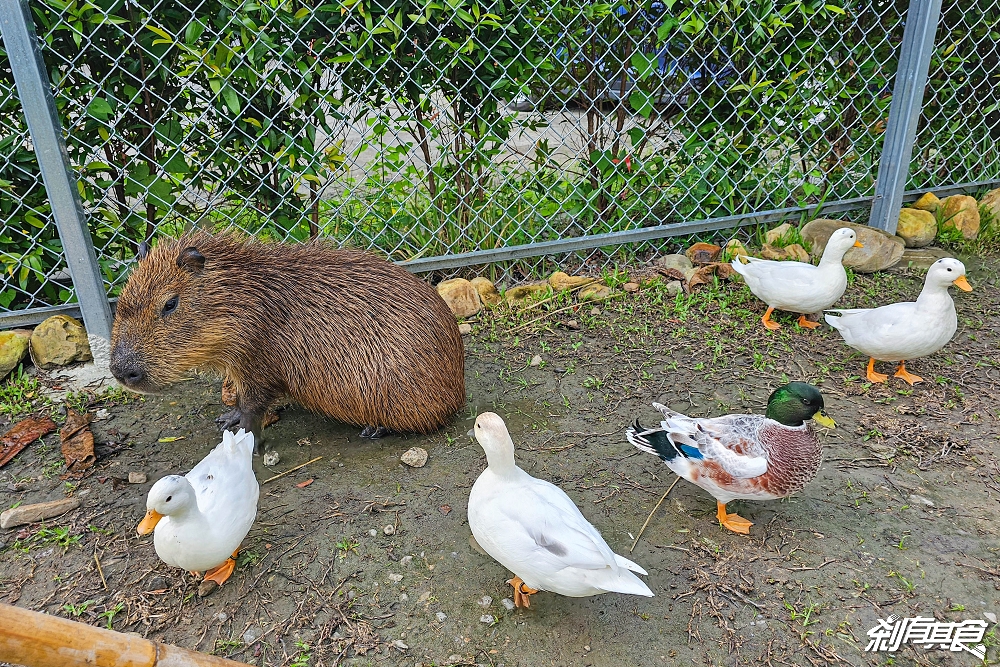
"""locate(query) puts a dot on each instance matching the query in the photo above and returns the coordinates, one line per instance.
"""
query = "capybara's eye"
(170, 306)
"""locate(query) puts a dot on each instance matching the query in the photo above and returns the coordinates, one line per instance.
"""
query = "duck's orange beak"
(962, 284)
(858, 244)
(148, 522)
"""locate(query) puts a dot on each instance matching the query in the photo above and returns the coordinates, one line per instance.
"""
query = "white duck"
(200, 519)
(534, 530)
(799, 287)
(909, 329)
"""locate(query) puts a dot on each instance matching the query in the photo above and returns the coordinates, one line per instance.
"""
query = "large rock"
(792, 251)
(562, 281)
(461, 297)
(58, 341)
(917, 228)
(962, 213)
(488, 293)
(734, 248)
(991, 203)
(778, 233)
(679, 262)
(13, 348)
(881, 250)
(703, 253)
(927, 202)
(523, 292)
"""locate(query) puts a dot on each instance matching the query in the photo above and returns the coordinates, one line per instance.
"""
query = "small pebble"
(406, 560)
(485, 601)
(341, 465)
(486, 618)
(508, 604)
(464, 328)
(373, 532)
(222, 617)
(631, 287)
(400, 645)
(415, 457)
(137, 478)
(441, 616)
(594, 312)
(990, 616)
(395, 578)
(271, 459)
(424, 597)
(572, 324)
(252, 635)
(536, 360)
(403, 597)
(586, 648)
(101, 415)
(351, 594)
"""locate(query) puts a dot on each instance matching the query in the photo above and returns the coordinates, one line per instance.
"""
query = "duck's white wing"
(728, 440)
(540, 522)
(873, 324)
(224, 482)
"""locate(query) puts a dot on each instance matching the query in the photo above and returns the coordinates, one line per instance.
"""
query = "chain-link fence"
(442, 132)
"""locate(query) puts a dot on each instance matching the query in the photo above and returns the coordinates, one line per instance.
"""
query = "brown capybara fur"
(341, 332)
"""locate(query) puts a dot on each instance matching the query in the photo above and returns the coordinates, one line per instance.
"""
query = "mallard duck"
(909, 329)
(799, 287)
(200, 519)
(534, 530)
(746, 457)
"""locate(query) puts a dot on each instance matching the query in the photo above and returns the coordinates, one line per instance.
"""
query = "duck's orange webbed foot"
(521, 592)
(906, 376)
(807, 324)
(877, 378)
(222, 573)
(770, 324)
(733, 522)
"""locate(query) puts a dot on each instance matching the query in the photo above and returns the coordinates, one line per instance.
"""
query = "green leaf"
(99, 108)
(161, 32)
(835, 9)
(644, 64)
(302, 13)
(232, 99)
(636, 135)
(176, 164)
(193, 31)
(641, 102)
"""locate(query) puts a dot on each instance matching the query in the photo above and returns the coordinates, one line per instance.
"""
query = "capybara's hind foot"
(376, 432)
(229, 419)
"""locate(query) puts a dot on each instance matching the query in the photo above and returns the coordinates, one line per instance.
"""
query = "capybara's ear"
(191, 259)
(142, 251)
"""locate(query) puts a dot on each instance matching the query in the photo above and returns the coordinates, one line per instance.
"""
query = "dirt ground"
(371, 563)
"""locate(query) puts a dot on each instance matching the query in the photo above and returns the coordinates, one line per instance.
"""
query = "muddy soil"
(371, 562)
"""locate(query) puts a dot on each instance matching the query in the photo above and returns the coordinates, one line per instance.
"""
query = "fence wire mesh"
(427, 128)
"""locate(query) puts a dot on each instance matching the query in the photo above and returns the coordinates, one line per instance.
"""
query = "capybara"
(341, 332)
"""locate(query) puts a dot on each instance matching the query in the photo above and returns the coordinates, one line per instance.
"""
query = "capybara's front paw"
(375, 432)
(229, 419)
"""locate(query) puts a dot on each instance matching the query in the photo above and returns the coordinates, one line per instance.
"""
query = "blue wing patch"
(691, 452)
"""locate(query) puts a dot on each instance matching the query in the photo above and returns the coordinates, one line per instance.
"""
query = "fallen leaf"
(23, 434)
(304, 484)
(445, 509)
(673, 274)
(171, 438)
(77, 443)
(703, 275)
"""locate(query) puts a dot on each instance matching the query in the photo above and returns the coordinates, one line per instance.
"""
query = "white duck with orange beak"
(199, 520)
(533, 528)
(908, 329)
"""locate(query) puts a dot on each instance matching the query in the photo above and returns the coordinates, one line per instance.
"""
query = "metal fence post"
(904, 112)
(39, 106)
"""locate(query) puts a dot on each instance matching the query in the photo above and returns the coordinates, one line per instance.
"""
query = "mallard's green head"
(796, 402)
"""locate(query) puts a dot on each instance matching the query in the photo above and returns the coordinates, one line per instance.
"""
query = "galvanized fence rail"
(448, 134)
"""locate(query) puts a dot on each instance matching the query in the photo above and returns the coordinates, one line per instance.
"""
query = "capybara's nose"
(129, 374)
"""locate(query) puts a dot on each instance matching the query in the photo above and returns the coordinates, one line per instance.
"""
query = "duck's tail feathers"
(652, 441)
(628, 583)
(629, 565)
(239, 443)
